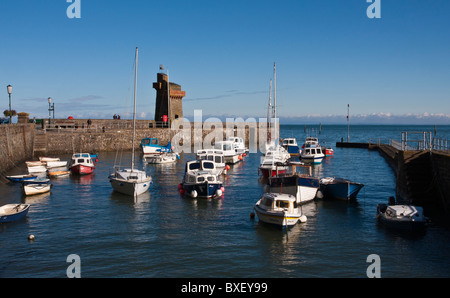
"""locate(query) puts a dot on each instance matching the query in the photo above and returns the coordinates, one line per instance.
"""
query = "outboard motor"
(391, 201)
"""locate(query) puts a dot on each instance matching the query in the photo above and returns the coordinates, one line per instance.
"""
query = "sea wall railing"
(423, 140)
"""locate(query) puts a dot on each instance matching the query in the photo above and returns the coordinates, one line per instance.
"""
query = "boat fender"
(180, 186)
(222, 189)
(194, 194)
(227, 167)
(182, 191)
(219, 193)
(319, 194)
(303, 218)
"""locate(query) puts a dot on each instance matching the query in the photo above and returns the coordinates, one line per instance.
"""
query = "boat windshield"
(208, 165)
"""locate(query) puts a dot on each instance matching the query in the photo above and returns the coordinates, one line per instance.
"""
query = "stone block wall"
(16, 144)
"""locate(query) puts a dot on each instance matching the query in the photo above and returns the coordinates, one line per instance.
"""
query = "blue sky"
(328, 54)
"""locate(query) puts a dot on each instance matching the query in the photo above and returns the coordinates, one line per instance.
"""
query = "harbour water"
(161, 234)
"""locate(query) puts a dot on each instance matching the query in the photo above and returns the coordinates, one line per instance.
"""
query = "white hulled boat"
(131, 181)
(279, 209)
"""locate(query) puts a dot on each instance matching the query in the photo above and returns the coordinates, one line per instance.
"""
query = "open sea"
(162, 234)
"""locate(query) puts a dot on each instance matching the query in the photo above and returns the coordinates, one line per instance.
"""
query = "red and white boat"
(81, 164)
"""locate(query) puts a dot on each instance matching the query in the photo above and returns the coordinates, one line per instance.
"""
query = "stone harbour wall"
(16, 144)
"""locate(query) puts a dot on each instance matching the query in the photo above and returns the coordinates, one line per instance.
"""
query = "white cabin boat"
(312, 154)
(229, 151)
(239, 145)
(202, 179)
(279, 209)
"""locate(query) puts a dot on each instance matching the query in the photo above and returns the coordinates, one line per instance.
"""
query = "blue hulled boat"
(339, 188)
(13, 212)
(20, 178)
(202, 180)
(291, 146)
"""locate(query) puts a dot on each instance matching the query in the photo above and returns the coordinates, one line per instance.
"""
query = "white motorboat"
(239, 145)
(201, 180)
(312, 154)
(131, 182)
(404, 217)
(279, 209)
(229, 151)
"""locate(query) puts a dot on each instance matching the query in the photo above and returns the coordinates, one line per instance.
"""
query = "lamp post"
(51, 107)
(9, 88)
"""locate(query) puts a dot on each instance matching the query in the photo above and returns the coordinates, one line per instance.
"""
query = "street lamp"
(51, 107)
(9, 88)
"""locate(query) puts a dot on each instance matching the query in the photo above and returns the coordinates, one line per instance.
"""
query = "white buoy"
(218, 192)
(31, 237)
(303, 218)
(194, 194)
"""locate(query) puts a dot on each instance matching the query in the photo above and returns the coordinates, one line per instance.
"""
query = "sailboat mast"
(275, 101)
(269, 114)
(134, 110)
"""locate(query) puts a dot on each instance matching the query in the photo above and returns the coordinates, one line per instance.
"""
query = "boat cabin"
(278, 202)
(81, 158)
(201, 171)
(212, 155)
(290, 142)
(150, 142)
(312, 150)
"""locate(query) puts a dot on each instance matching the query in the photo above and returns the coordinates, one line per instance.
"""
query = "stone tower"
(176, 96)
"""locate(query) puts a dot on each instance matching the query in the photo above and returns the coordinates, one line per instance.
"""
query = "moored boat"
(13, 212)
(297, 182)
(201, 180)
(339, 188)
(279, 209)
(131, 181)
(161, 158)
(291, 146)
(81, 164)
(230, 153)
(150, 145)
(312, 154)
(20, 178)
(58, 174)
(403, 217)
(36, 186)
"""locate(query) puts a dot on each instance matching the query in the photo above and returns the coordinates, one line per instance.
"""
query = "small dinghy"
(36, 186)
(405, 217)
(20, 178)
(57, 174)
(13, 212)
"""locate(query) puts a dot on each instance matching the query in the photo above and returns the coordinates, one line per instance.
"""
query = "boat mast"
(269, 114)
(134, 110)
(275, 101)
